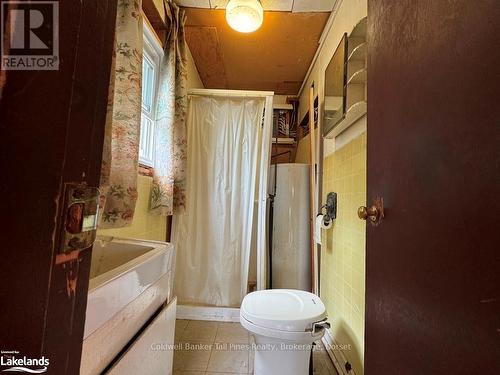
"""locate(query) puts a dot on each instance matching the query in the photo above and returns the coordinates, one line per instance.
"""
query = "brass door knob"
(374, 214)
(370, 213)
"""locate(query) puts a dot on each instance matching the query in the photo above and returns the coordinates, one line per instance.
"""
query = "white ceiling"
(269, 5)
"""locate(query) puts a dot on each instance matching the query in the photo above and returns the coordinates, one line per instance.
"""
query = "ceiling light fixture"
(244, 16)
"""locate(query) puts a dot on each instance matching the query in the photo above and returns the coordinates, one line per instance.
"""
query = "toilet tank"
(291, 260)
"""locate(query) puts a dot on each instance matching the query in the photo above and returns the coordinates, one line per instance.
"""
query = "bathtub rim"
(158, 247)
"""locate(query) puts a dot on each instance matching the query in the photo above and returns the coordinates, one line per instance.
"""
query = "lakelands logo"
(15, 363)
(29, 35)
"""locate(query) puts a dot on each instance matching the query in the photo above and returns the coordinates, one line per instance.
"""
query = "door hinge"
(81, 208)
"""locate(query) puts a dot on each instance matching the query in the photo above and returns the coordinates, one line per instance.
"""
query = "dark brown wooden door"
(433, 265)
(51, 133)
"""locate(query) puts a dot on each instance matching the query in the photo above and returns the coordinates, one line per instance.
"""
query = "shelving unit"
(359, 52)
(355, 89)
(284, 142)
(358, 77)
(353, 113)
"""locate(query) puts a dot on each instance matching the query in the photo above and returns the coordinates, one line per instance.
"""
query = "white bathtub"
(129, 280)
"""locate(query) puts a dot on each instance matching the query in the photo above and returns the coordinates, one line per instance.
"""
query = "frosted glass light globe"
(244, 16)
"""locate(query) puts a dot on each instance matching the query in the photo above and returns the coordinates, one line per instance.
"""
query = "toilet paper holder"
(330, 208)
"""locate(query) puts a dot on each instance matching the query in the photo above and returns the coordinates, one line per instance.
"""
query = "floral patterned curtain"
(123, 121)
(168, 193)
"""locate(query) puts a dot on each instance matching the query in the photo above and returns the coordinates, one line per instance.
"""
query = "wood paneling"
(51, 133)
(283, 153)
(209, 51)
(275, 57)
(155, 15)
(433, 264)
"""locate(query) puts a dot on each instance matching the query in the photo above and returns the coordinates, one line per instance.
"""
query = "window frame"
(151, 52)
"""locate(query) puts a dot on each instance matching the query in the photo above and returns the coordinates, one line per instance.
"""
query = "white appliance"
(291, 259)
(285, 323)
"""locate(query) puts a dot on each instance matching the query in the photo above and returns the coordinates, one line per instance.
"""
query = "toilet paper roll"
(320, 224)
(326, 226)
(317, 229)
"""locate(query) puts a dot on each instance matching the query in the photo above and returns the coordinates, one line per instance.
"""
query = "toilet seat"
(298, 337)
(278, 311)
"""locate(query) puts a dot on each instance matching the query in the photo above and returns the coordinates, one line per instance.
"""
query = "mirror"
(335, 86)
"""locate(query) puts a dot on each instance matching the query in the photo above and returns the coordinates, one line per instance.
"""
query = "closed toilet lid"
(283, 309)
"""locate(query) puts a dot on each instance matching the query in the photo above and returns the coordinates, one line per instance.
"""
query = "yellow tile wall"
(342, 277)
(145, 225)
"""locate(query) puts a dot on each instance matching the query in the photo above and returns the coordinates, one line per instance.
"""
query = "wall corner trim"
(321, 41)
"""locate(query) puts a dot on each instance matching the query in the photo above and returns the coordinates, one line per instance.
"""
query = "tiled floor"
(215, 348)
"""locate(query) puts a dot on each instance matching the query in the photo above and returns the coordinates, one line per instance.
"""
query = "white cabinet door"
(153, 351)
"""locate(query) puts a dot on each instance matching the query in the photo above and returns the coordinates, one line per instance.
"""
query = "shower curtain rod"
(230, 93)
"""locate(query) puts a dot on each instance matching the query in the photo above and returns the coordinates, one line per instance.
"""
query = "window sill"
(145, 170)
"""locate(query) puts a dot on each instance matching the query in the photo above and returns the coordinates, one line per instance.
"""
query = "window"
(150, 75)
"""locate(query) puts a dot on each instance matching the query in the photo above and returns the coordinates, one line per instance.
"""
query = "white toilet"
(285, 323)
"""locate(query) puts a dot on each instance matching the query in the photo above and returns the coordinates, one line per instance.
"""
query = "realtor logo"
(30, 35)
(11, 361)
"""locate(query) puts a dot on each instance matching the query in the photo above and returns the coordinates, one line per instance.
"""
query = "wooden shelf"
(355, 112)
(287, 107)
(284, 141)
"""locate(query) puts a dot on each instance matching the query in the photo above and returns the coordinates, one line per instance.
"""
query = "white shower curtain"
(213, 236)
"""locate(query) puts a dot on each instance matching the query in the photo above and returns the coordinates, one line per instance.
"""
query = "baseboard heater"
(337, 356)
(211, 313)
